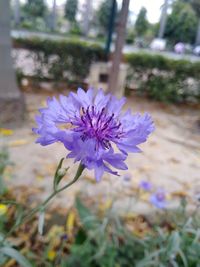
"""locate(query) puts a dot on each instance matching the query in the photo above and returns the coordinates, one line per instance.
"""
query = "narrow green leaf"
(173, 243)
(174, 263)
(149, 258)
(14, 254)
(20, 213)
(9, 202)
(3, 259)
(184, 260)
(89, 220)
(41, 222)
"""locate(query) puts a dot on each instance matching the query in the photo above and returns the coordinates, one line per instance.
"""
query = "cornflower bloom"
(145, 185)
(158, 199)
(91, 125)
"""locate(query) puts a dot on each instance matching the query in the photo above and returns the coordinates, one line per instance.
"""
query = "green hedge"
(156, 76)
(145, 61)
(165, 79)
(61, 60)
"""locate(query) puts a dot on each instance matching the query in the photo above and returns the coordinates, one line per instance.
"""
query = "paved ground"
(170, 159)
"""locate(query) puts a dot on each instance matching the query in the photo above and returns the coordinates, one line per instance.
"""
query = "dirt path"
(171, 158)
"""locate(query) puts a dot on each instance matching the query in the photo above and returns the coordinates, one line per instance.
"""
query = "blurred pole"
(110, 27)
(87, 16)
(163, 20)
(17, 12)
(117, 55)
(53, 16)
(11, 102)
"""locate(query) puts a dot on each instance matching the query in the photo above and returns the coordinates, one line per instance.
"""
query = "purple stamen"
(102, 111)
(104, 128)
(83, 110)
(93, 110)
(88, 114)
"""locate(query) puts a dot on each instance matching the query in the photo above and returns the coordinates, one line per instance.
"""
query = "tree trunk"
(121, 31)
(163, 20)
(11, 101)
(17, 12)
(198, 34)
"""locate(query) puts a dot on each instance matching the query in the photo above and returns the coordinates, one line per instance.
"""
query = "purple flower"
(158, 199)
(64, 237)
(89, 124)
(145, 185)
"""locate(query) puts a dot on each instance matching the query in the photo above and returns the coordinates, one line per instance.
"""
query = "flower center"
(98, 125)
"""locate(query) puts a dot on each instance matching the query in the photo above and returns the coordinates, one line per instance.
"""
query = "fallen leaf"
(3, 209)
(138, 226)
(16, 241)
(55, 231)
(179, 194)
(144, 196)
(40, 177)
(145, 168)
(70, 222)
(174, 160)
(6, 132)
(106, 205)
(18, 142)
(10, 263)
(51, 254)
(90, 179)
(130, 216)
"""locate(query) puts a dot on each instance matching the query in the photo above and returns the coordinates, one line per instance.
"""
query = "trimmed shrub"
(60, 60)
(164, 79)
(156, 76)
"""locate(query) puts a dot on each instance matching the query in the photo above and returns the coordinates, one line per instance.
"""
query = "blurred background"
(174, 21)
(148, 51)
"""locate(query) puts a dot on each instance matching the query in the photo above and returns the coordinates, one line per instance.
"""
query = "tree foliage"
(71, 7)
(141, 24)
(35, 8)
(195, 5)
(181, 23)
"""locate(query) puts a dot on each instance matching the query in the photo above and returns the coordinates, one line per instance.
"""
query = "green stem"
(44, 204)
(2, 185)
